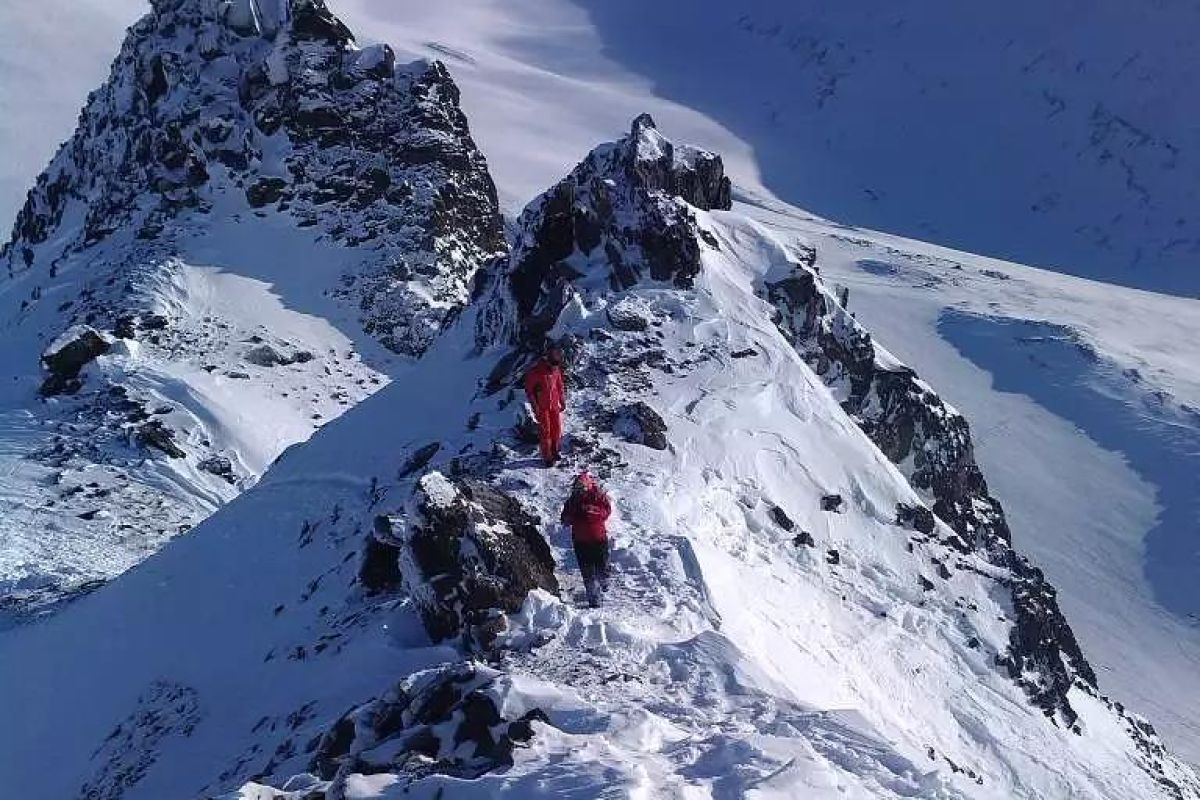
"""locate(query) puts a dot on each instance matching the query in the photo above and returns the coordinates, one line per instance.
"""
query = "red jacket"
(587, 513)
(544, 387)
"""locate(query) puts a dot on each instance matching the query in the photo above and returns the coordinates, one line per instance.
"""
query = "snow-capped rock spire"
(235, 142)
(267, 103)
(625, 214)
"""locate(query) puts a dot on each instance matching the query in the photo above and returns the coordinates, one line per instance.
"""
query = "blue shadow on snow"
(1051, 366)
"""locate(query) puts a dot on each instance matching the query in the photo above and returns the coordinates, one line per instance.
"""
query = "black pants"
(593, 561)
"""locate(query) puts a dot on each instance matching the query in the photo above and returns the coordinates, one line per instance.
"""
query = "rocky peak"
(627, 213)
(693, 175)
(268, 106)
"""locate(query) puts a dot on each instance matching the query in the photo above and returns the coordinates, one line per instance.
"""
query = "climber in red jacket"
(545, 389)
(586, 512)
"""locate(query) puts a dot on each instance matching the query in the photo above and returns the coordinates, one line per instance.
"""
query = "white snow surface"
(241, 283)
(727, 662)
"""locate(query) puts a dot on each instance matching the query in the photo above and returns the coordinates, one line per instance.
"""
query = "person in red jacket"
(586, 512)
(545, 389)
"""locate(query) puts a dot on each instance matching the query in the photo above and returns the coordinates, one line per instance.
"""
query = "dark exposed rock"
(379, 570)
(782, 519)
(154, 434)
(696, 176)
(217, 465)
(264, 191)
(919, 518)
(444, 720)
(833, 557)
(831, 502)
(912, 425)
(622, 202)
(419, 460)
(264, 355)
(640, 424)
(926, 584)
(803, 539)
(749, 352)
(1043, 654)
(312, 20)
(125, 327)
(72, 353)
(478, 554)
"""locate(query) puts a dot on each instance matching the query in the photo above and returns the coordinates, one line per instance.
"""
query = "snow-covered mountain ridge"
(763, 638)
(252, 223)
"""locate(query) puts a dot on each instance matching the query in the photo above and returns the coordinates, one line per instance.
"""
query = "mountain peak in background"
(252, 222)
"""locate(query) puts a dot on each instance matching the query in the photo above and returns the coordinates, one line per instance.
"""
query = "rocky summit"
(219, 104)
(245, 170)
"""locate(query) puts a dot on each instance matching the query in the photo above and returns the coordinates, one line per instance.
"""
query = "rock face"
(615, 220)
(913, 426)
(444, 720)
(64, 359)
(641, 424)
(209, 99)
(471, 555)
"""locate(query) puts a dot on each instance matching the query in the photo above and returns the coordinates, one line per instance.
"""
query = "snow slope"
(1083, 398)
(253, 221)
(731, 660)
(1048, 134)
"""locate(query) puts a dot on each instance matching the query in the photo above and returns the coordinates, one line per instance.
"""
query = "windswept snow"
(84, 515)
(1086, 431)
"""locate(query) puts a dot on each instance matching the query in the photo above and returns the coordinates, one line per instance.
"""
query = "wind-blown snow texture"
(258, 218)
(1043, 133)
(754, 643)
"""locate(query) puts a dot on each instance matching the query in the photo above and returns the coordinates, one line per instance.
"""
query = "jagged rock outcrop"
(218, 100)
(470, 555)
(444, 720)
(64, 359)
(615, 220)
(915, 428)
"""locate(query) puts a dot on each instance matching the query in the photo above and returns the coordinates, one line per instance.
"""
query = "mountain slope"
(754, 644)
(1087, 435)
(1044, 134)
(253, 221)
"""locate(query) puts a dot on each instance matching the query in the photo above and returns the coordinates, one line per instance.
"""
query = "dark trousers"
(593, 562)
